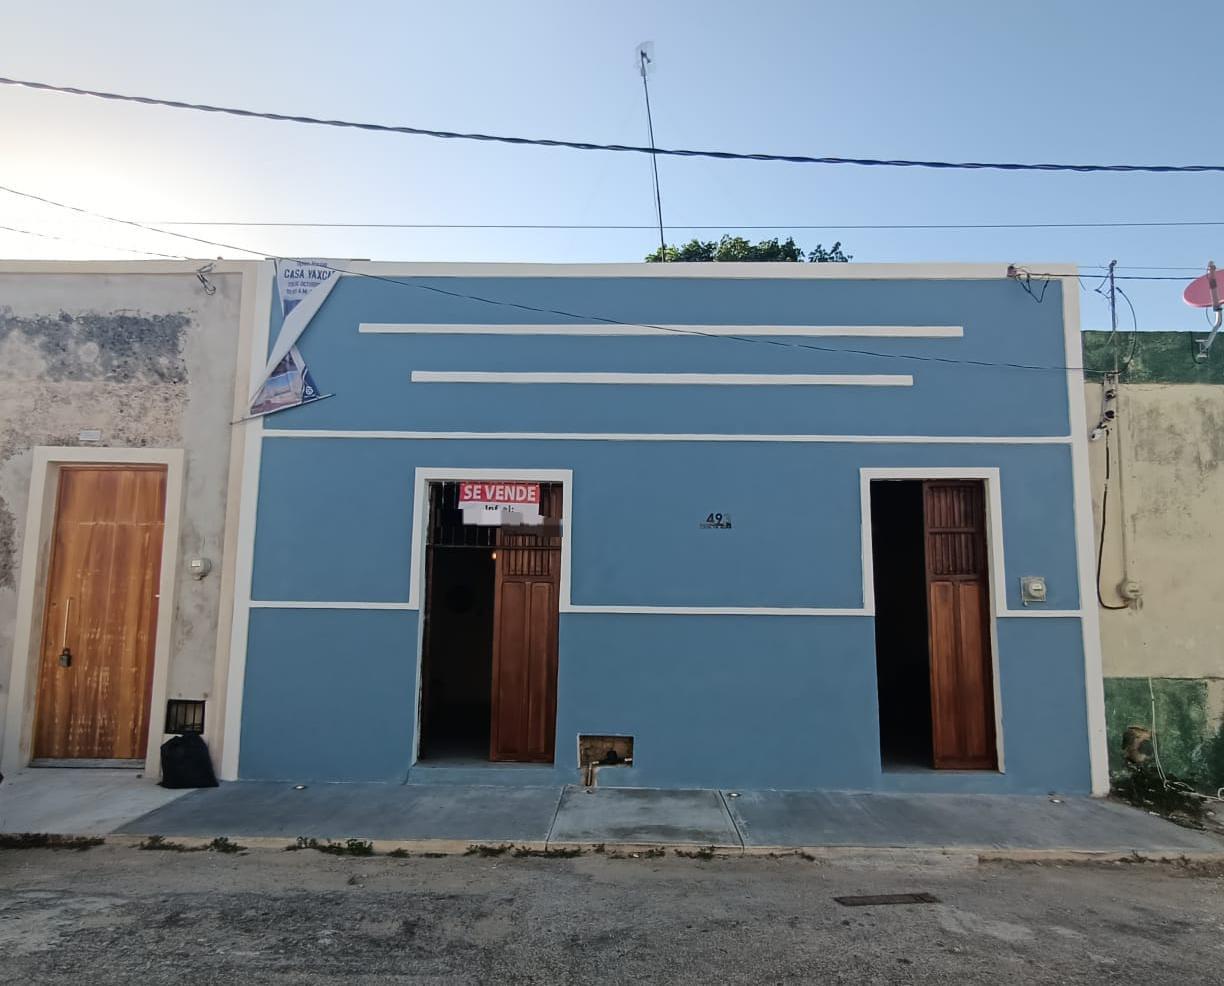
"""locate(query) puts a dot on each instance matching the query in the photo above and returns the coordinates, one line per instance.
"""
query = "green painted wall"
(1191, 745)
(1154, 357)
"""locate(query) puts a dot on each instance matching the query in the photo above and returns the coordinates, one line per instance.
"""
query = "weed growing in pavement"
(1142, 786)
(567, 853)
(42, 840)
(705, 852)
(349, 847)
(480, 850)
(162, 844)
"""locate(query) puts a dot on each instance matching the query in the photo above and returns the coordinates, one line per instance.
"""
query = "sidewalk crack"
(731, 818)
(556, 811)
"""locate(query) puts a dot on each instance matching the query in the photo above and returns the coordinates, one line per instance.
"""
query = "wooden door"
(958, 594)
(525, 615)
(102, 598)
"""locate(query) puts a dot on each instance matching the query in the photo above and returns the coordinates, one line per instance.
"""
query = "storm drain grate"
(871, 899)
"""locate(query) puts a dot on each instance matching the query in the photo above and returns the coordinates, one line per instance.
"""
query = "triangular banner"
(286, 381)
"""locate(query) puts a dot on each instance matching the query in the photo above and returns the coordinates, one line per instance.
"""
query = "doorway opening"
(903, 664)
(489, 648)
(934, 667)
(458, 674)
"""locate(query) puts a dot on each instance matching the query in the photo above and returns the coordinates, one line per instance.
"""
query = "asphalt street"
(116, 914)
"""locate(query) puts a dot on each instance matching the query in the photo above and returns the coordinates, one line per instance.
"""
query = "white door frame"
(997, 594)
(32, 591)
(425, 475)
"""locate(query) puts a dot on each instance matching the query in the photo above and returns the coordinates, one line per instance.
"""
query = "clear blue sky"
(1041, 81)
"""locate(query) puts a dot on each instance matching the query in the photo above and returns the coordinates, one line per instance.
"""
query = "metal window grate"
(184, 716)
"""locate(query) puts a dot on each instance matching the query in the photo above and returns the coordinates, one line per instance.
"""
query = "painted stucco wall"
(1167, 494)
(147, 359)
(730, 700)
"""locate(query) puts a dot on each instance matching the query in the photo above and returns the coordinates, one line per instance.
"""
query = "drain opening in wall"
(595, 752)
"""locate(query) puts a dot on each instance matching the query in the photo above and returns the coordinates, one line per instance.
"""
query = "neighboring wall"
(147, 359)
(1166, 496)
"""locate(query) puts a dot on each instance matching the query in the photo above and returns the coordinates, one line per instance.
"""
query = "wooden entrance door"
(958, 594)
(525, 616)
(96, 667)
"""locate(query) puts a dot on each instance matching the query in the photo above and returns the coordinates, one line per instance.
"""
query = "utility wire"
(107, 246)
(578, 316)
(623, 148)
(696, 226)
(231, 246)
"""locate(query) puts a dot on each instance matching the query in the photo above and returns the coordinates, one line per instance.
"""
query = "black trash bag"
(185, 762)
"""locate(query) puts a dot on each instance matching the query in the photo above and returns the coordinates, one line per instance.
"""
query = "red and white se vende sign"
(499, 494)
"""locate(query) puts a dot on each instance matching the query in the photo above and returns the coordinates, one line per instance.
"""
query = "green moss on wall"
(1159, 357)
(1190, 745)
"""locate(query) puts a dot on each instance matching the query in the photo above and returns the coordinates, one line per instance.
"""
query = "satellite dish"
(1206, 291)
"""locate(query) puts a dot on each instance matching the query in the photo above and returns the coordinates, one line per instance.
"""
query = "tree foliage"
(735, 248)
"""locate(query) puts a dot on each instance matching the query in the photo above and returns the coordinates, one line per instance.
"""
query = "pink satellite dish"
(1206, 291)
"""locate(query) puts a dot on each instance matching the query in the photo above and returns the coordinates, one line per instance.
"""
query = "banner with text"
(302, 287)
(489, 504)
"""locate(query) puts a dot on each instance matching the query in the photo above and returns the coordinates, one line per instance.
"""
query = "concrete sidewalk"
(99, 803)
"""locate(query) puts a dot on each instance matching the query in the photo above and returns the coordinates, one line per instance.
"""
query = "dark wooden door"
(525, 616)
(102, 598)
(958, 601)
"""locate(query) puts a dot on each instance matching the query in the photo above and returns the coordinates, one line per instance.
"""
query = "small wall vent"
(184, 716)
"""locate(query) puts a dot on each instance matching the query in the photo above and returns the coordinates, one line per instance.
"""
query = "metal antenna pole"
(654, 160)
(1113, 312)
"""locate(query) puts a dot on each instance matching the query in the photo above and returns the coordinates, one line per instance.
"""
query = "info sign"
(494, 503)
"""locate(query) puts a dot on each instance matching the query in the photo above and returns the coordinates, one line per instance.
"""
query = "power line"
(106, 246)
(830, 227)
(622, 148)
(231, 246)
(579, 316)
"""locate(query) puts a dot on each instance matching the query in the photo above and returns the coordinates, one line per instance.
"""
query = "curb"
(898, 855)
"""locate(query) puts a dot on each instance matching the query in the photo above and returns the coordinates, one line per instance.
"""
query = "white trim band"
(596, 436)
(671, 379)
(582, 608)
(321, 604)
(690, 331)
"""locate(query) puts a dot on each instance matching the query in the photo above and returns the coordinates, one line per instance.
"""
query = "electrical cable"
(1134, 344)
(1104, 523)
(580, 316)
(622, 148)
(700, 226)
(107, 246)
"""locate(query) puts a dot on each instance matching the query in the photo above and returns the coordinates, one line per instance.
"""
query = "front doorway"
(933, 652)
(95, 672)
(489, 641)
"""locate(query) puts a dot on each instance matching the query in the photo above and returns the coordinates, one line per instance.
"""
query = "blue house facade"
(720, 525)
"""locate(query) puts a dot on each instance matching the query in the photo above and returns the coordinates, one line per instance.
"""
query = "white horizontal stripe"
(716, 610)
(691, 331)
(588, 436)
(672, 379)
(318, 604)
(649, 610)
(1061, 614)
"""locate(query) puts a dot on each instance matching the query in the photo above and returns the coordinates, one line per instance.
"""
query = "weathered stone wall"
(1166, 493)
(147, 360)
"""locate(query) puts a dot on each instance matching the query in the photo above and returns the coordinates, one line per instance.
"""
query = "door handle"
(65, 658)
